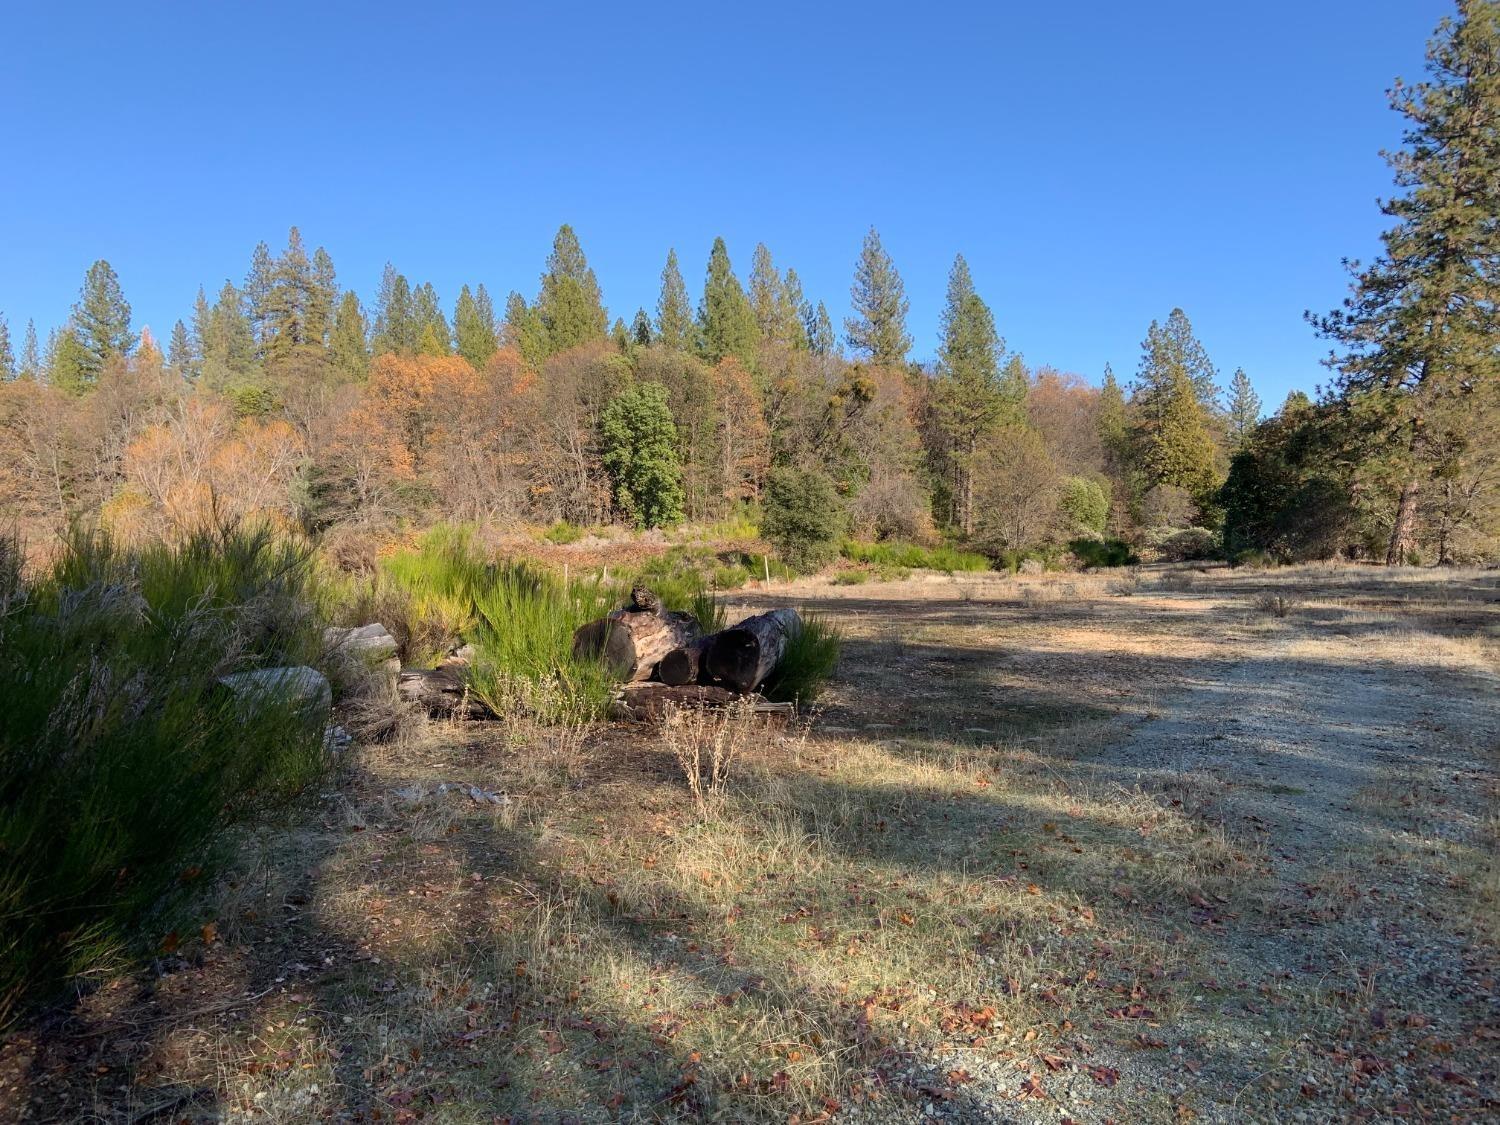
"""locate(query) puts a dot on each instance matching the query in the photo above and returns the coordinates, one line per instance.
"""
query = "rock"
(306, 687)
(369, 646)
(417, 794)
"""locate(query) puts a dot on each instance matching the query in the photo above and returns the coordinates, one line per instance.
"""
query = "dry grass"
(724, 921)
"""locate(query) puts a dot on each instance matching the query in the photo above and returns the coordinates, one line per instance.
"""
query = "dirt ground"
(1164, 845)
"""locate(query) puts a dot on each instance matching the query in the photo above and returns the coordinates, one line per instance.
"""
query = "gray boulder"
(305, 687)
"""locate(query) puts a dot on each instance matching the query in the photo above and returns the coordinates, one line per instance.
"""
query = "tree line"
(289, 396)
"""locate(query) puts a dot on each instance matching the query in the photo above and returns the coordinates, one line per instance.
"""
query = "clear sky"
(1096, 162)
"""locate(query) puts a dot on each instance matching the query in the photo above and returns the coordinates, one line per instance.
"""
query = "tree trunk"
(1403, 531)
(742, 657)
(441, 691)
(632, 641)
(683, 665)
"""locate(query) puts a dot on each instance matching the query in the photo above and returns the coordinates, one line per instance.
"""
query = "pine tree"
(1168, 350)
(792, 303)
(726, 322)
(971, 397)
(180, 352)
(69, 364)
(1244, 407)
(640, 328)
(31, 357)
(1113, 424)
(818, 325)
(1418, 331)
(7, 355)
(257, 292)
(640, 453)
(396, 327)
(228, 342)
(569, 305)
(1180, 451)
(674, 315)
(473, 330)
(322, 298)
(101, 320)
(286, 317)
(348, 347)
(433, 335)
(877, 330)
(524, 331)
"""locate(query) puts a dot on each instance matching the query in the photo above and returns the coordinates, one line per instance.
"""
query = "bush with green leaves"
(640, 454)
(913, 556)
(1103, 552)
(1085, 502)
(802, 518)
(123, 759)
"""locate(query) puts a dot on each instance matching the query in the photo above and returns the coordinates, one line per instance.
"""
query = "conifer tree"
(473, 330)
(1180, 451)
(69, 366)
(1244, 407)
(726, 322)
(524, 331)
(1417, 333)
(791, 316)
(818, 325)
(396, 327)
(674, 315)
(31, 356)
(1170, 349)
(971, 397)
(180, 352)
(433, 335)
(257, 292)
(227, 341)
(1113, 423)
(640, 328)
(322, 298)
(101, 320)
(877, 330)
(569, 306)
(286, 316)
(7, 354)
(348, 347)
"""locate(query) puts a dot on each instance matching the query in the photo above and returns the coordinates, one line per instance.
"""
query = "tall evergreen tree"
(101, 320)
(726, 322)
(970, 397)
(674, 314)
(1168, 350)
(228, 343)
(31, 356)
(791, 315)
(818, 325)
(1244, 408)
(180, 352)
(70, 364)
(7, 354)
(322, 298)
(396, 328)
(640, 453)
(877, 330)
(257, 292)
(348, 345)
(640, 328)
(1114, 424)
(433, 335)
(1417, 334)
(473, 330)
(286, 321)
(524, 331)
(570, 306)
(1180, 451)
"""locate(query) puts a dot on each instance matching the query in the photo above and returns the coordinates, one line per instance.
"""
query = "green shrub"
(914, 557)
(1103, 552)
(1187, 544)
(851, 578)
(1085, 502)
(730, 577)
(122, 758)
(811, 657)
(562, 533)
(1254, 560)
(803, 518)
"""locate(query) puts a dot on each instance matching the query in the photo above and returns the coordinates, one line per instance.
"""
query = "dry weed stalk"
(706, 742)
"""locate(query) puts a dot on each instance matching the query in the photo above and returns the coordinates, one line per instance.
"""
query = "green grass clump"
(811, 657)
(122, 758)
(912, 556)
(562, 533)
(851, 578)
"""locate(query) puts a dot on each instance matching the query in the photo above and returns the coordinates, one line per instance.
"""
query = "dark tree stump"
(683, 665)
(631, 642)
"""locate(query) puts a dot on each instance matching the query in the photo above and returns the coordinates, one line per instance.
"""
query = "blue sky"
(1097, 163)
